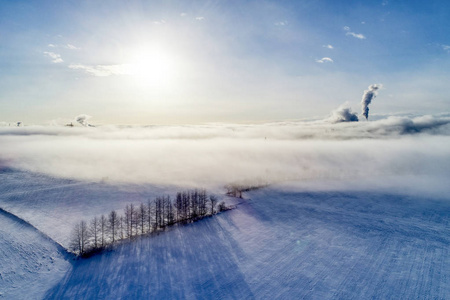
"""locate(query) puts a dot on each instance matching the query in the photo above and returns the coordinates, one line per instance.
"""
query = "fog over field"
(412, 152)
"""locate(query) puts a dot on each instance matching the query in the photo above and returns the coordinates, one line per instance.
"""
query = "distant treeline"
(100, 232)
(236, 189)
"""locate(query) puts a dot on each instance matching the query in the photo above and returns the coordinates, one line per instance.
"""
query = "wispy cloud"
(356, 35)
(324, 59)
(71, 47)
(66, 46)
(56, 58)
(200, 18)
(446, 48)
(353, 34)
(103, 70)
(183, 14)
(160, 22)
(281, 23)
(328, 46)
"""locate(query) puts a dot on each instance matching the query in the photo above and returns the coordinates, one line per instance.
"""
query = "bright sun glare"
(152, 67)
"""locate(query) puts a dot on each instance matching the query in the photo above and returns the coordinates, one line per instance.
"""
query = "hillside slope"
(30, 263)
(55, 205)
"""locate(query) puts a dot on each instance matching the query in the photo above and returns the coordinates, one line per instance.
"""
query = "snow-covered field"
(55, 205)
(358, 211)
(282, 242)
(284, 245)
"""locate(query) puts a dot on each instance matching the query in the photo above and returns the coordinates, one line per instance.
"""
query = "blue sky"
(154, 62)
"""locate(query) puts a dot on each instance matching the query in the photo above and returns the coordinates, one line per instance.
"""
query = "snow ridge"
(60, 248)
(30, 263)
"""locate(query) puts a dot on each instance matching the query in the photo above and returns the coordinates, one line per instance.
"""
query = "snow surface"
(55, 205)
(282, 243)
(30, 263)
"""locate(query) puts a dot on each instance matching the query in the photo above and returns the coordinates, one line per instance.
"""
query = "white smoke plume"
(367, 98)
(82, 119)
(343, 114)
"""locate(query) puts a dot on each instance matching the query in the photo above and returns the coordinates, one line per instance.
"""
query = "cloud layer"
(212, 156)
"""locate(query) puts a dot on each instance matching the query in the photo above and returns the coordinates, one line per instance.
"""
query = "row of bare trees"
(188, 206)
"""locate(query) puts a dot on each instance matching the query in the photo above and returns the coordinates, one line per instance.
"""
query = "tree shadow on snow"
(196, 261)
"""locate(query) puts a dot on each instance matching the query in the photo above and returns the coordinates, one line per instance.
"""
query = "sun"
(152, 67)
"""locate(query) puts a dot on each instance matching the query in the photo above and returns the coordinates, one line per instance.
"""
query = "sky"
(177, 62)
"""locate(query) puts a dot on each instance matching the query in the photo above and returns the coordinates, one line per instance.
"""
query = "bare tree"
(202, 199)
(185, 201)
(194, 204)
(149, 215)
(103, 224)
(128, 219)
(158, 212)
(213, 201)
(84, 235)
(80, 238)
(179, 207)
(163, 212)
(142, 217)
(133, 220)
(234, 190)
(75, 240)
(169, 211)
(222, 206)
(94, 231)
(121, 227)
(113, 223)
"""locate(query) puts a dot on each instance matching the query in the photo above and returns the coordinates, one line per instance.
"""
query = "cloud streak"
(353, 34)
(71, 47)
(324, 60)
(66, 46)
(356, 35)
(281, 23)
(103, 70)
(56, 58)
